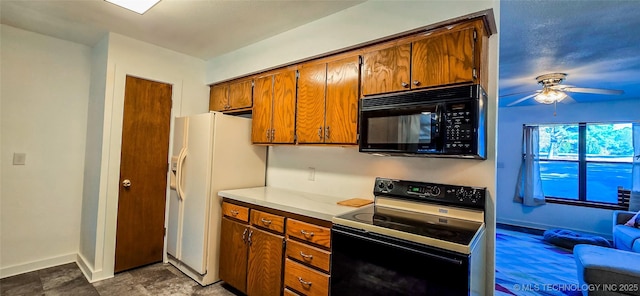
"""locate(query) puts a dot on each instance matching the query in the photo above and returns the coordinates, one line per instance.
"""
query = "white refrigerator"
(211, 152)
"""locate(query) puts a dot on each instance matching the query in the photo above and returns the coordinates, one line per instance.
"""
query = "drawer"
(308, 255)
(267, 221)
(288, 292)
(235, 211)
(309, 232)
(305, 280)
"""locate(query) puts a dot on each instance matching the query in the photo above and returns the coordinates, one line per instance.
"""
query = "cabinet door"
(341, 117)
(262, 110)
(284, 107)
(443, 59)
(218, 98)
(386, 70)
(265, 263)
(311, 94)
(233, 253)
(240, 94)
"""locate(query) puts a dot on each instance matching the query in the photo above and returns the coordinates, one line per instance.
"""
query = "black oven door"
(364, 263)
(409, 129)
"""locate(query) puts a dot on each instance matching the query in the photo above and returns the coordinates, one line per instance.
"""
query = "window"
(586, 162)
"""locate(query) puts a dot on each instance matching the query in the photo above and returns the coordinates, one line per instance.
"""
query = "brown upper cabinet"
(327, 107)
(274, 104)
(441, 57)
(231, 96)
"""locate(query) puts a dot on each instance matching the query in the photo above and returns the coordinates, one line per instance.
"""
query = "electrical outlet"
(19, 158)
(312, 174)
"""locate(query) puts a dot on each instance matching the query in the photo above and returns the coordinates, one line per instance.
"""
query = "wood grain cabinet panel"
(235, 211)
(231, 96)
(305, 280)
(309, 233)
(341, 116)
(234, 250)
(267, 221)
(443, 59)
(308, 255)
(310, 106)
(327, 107)
(386, 70)
(264, 275)
(218, 97)
(274, 101)
(262, 110)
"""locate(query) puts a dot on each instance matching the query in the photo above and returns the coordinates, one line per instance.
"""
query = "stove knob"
(381, 185)
(435, 191)
(390, 186)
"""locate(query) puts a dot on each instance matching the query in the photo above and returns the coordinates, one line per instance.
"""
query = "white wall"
(510, 155)
(344, 171)
(45, 90)
(127, 56)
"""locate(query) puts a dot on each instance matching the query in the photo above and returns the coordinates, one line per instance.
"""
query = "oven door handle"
(434, 256)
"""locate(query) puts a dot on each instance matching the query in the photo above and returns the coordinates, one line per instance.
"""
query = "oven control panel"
(455, 195)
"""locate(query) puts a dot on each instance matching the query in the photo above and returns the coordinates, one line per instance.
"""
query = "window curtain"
(529, 187)
(634, 200)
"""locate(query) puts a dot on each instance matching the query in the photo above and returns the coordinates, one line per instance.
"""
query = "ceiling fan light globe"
(549, 96)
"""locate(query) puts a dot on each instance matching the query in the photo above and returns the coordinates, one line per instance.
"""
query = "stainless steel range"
(416, 239)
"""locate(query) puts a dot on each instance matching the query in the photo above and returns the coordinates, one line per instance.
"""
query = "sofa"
(611, 271)
(624, 237)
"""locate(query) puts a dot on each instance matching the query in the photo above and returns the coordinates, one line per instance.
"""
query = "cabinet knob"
(249, 239)
(244, 235)
(273, 134)
(320, 133)
(126, 183)
(416, 82)
(306, 234)
(265, 221)
(305, 283)
(405, 85)
(306, 257)
(327, 133)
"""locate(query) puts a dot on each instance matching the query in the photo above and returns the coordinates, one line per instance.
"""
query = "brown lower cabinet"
(255, 259)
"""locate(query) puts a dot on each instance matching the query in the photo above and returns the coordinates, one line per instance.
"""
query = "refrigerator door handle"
(181, 157)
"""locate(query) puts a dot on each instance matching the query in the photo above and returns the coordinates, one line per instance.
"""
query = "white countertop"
(318, 206)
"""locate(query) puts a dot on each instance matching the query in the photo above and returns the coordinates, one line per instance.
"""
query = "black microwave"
(444, 122)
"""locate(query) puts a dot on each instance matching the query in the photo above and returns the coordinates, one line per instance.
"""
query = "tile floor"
(523, 261)
(156, 279)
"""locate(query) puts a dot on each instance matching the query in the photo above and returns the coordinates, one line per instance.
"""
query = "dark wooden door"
(265, 263)
(233, 254)
(143, 163)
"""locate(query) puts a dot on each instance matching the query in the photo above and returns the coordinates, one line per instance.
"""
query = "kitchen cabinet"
(231, 96)
(233, 253)
(386, 70)
(327, 106)
(308, 258)
(274, 100)
(264, 275)
(441, 57)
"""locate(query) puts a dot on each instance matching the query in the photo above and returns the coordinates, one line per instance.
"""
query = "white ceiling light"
(549, 96)
(139, 6)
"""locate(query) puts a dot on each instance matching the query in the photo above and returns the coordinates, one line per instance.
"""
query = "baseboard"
(89, 273)
(536, 227)
(36, 265)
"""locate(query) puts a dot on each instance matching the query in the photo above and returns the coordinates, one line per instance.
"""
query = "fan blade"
(517, 93)
(568, 100)
(518, 101)
(600, 91)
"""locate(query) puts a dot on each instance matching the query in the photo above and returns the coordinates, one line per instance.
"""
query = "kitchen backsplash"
(349, 173)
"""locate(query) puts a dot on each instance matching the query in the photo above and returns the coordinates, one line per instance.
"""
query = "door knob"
(126, 183)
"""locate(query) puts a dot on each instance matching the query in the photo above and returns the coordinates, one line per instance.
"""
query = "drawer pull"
(234, 213)
(308, 235)
(306, 257)
(265, 221)
(244, 235)
(308, 284)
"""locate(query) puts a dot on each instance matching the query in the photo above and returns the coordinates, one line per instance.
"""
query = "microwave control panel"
(460, 127)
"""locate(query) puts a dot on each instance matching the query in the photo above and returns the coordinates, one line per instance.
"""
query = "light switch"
(19, 158)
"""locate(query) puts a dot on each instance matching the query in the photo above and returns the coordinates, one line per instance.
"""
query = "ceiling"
(199, 28)
(594, 42)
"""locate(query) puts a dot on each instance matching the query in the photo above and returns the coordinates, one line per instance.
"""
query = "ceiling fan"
(554, 91)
